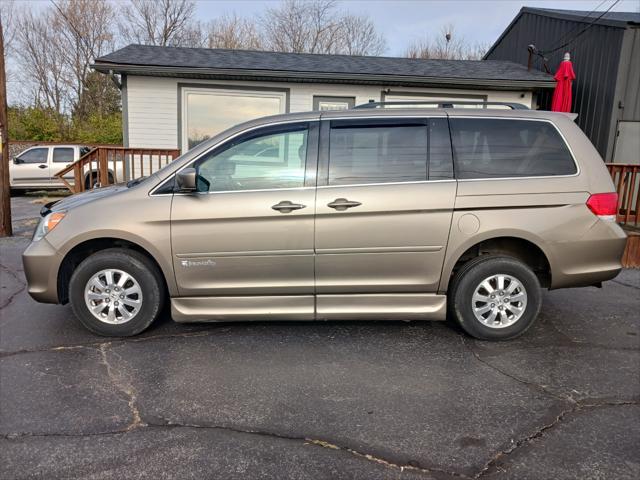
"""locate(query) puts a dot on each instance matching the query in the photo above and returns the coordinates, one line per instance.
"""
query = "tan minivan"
(372, 213)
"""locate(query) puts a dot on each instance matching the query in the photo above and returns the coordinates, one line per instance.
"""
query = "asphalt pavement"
(319, 400)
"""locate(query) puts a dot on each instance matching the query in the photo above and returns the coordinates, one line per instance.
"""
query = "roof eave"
(315, 77)
(605, 22)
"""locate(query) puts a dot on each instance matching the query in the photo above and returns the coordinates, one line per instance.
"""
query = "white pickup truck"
(36, 166)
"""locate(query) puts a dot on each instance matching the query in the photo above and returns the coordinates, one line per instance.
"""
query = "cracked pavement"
(325, 400)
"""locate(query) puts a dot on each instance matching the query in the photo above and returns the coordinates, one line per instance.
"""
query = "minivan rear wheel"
(116, 292)
(495, 297)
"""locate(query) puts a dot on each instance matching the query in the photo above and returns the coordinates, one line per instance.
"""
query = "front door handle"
(42, 166)
(341, 204)
(287, 207)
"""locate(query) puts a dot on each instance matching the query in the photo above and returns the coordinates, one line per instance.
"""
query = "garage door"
(207, 112)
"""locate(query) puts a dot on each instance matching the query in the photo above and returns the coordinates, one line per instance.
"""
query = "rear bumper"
(41, 262)
(595, 257)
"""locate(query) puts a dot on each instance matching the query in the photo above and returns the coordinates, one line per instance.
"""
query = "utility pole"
(5, 190)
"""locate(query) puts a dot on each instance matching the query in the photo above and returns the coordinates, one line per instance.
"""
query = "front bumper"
(41, 263)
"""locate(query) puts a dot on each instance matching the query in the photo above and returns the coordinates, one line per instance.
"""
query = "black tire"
(90, 180)
(141, 268)
(469, 277)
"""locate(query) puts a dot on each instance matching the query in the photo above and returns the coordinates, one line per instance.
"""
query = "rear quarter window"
(63, 155)
(495, 148)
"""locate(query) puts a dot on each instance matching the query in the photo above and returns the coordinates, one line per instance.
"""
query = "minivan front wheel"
(495, 297)
(116, 292)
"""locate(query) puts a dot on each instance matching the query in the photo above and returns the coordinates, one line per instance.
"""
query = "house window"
(207, 112)
(333, 103)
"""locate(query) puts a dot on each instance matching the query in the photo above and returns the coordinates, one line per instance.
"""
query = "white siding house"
(176, 97)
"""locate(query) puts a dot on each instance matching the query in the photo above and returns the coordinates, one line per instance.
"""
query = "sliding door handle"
(287, 207)
(341, 204)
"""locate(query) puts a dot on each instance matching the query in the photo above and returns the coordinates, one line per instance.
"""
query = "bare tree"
(304, 26)
(232, 32)
(38, 50)
(301, 26)
(445, 46)
(8, 18)
(159, 22)
(477, 50)
(86, 33)
(54, 49)
(358, 36)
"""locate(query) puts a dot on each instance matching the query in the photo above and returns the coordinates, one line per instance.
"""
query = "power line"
(581, 31)
(577, 26)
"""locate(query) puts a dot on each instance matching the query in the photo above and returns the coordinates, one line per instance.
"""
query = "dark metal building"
(606, 58)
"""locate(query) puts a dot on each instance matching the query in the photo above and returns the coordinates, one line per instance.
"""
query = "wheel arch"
(78, 252)
(520, 245)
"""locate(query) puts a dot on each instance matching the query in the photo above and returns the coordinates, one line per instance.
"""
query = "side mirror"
(186, 180)
(17, 161)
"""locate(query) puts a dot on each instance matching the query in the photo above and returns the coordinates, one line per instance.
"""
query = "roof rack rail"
(447, 104)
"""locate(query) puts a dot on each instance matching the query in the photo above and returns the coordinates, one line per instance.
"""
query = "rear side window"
(63, 155)
(494, 148)
(363, 153)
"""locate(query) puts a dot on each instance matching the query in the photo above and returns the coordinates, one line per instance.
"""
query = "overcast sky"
(404, 21)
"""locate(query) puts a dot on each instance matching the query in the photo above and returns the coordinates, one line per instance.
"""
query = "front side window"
(493, 148)
(271, 158)
(63, 155)
(35, 155)
(377, 153)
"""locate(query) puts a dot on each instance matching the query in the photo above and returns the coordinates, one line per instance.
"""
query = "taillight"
(604, 205)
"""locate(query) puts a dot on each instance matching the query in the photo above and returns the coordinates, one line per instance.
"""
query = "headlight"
(47, 224)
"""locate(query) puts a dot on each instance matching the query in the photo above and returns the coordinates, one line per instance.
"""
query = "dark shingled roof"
(218, 63)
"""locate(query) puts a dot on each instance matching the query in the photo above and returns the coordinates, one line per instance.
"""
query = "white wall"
(152, 102)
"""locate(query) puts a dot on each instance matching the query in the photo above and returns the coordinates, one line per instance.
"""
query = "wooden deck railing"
(107, 165)
(626, 178)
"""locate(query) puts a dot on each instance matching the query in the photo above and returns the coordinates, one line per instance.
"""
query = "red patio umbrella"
(562, 94)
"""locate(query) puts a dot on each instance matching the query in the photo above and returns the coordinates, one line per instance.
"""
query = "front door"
(384, 206)
(248, 231)
(31, 168)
